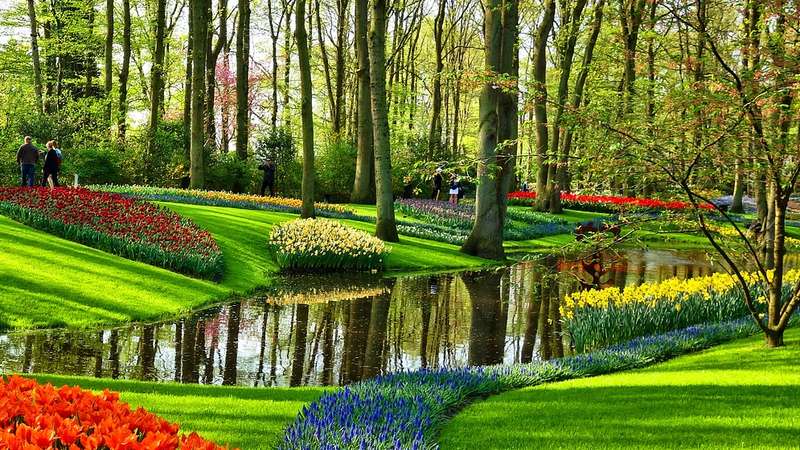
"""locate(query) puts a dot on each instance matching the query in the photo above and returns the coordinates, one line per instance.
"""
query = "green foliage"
(336, 170)
(162, 163)
(279, 145)
(227, 172)
(94, 165)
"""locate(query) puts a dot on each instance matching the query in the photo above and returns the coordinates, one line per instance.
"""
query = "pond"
(340, 329)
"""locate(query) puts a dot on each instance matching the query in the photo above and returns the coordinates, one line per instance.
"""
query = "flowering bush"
(325, 245)
(41, 416)
(604, 203)
(597, 318)
(404, 410)
(221, 198)
(121, 225)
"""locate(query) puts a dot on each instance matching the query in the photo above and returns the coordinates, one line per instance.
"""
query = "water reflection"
(325, 331)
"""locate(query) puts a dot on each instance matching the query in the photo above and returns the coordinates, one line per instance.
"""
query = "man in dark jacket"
(27, 157)
(269, 177)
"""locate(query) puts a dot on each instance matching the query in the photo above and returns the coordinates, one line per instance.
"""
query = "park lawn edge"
(261, 413)
(82, 287)
(519, 412)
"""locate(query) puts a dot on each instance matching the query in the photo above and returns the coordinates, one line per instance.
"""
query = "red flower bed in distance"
(117, 224)
(40, 416)
(606, 202)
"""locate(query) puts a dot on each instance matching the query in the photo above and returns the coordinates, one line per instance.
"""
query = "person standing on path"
(27, 157)
(269, 178)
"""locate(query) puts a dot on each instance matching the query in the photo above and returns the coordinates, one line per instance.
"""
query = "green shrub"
(227, 172)
(336, 171)
(279, 145)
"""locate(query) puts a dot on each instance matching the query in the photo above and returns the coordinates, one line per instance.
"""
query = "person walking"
(437, 184)
(269, 178)
(52, 164)
(454, 188)
(27, 157)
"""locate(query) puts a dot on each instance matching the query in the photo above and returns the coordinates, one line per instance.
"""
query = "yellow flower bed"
(220, 198)
(599, 318)
(673, 290)
(325, 245)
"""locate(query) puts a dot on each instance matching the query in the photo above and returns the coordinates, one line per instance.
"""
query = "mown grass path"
(737, 395)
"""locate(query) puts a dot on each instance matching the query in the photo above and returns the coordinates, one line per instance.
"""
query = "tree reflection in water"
(344, 329)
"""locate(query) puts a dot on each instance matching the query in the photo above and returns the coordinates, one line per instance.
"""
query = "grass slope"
(738, 395)
(46, 281)
(246, 418)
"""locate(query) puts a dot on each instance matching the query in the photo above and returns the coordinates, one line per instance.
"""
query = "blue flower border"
(406, 410)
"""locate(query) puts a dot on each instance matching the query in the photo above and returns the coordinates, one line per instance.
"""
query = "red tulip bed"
(605, 203)
(127, 227)
(36, 416)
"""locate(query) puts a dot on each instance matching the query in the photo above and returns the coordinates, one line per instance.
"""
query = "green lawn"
(247, 418)
(738, 395)
(48, 281)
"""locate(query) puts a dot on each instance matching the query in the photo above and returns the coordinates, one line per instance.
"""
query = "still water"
(335, 330)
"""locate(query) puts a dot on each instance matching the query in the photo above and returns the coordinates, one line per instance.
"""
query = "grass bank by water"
(46, 281)
(737, 395)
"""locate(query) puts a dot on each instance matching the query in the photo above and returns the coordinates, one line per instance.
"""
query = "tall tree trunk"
(435, 134)
(157, 77)
(124, 72)
(214, 50)
(287, 61)
(274, 33)
(199, 11)
(498, 124)
(577, 94)
(37, 68)
(306, 113)
(187, 90)
(385, 227)
(109, 56)
(364, 185)
(539, 63)
(341, 54)
(90, 56)
(242, 80)
(567, 43)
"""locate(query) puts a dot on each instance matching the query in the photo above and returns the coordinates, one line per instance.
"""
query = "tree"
(37, 68)
(385, 227)
(550, 197)
(199, 31)
(157, 75)
(214, 50)
(364, 185)
(124, 71)
(539, 64)
(498, 128)
(242, 80)
(435, 134)
(306, 113)
(109, 56)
